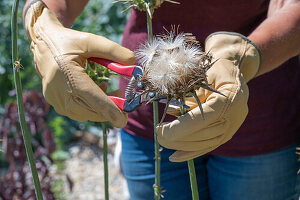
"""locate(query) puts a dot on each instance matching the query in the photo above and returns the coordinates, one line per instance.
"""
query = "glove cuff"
(32, 11)
(29, 5)
(237, 48)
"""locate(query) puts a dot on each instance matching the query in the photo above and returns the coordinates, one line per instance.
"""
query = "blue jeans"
(270, 176)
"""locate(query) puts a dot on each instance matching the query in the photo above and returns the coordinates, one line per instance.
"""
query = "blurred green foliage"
(100, 17)
(29, 77)
(103, 17)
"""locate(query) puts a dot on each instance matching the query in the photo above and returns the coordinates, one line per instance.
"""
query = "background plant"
(101, 17)
(17, 182)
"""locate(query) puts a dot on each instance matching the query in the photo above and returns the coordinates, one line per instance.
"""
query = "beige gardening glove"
(60, 54)
(237, 60)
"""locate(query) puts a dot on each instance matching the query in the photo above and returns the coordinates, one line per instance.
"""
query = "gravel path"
(85, 169)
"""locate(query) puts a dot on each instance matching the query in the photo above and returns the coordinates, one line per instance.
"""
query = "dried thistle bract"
(144, 5)
(174, 66)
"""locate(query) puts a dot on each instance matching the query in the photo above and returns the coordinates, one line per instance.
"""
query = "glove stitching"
(230, 96)
(59, 58)
(237, 84)
(57, 55)
(62, 62)
(67, 72)
(242, 52)
(56, 52)
(38, 31)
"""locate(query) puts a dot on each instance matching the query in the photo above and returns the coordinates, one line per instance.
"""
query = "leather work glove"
(237, 60)
(60, 54)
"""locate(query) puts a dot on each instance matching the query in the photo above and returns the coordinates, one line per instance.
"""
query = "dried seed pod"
(174, 65)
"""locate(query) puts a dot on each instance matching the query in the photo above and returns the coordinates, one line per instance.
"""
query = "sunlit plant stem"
(104, 129)
(192, 172)
(18, 85)
(193, 179)
(157, 188)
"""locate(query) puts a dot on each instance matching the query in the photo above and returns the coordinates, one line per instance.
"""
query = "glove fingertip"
(182, 156)
(174, 110)
(121, 122)
(175, 158)
(130, 58)
(158, 129)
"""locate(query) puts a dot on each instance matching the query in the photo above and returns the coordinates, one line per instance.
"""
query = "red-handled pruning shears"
(132, 99)
(135, 72)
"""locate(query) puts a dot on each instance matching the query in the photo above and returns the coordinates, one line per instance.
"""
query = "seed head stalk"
(157, 188)
(193, 179)
(18, 85)
(105, 163)
(192, 172)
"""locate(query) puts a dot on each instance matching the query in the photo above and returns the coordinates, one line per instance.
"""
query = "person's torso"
(272, 96)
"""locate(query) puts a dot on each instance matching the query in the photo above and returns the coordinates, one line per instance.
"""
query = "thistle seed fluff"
(171, 64)
(174, 67)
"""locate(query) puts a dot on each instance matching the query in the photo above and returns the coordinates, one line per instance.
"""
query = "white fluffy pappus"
(170, 63)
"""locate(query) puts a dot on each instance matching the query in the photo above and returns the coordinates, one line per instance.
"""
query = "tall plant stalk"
(192, 171)
(104, 129)
(193, 179)
(18, 85)
(157, 188)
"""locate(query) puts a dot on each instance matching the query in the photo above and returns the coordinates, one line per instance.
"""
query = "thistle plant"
(174, 67)
(148, 6)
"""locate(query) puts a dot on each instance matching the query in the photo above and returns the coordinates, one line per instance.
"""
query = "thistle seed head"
(173, 65)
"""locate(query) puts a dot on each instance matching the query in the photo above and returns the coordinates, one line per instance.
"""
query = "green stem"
(192, 172)
(157, 188)
(105, 161)
(149, 27)
(193, 179)
(18, 85)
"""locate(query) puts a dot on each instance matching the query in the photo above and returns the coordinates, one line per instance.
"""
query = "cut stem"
(105, 163)
(191, 166)
(157, 188)
(21, 112)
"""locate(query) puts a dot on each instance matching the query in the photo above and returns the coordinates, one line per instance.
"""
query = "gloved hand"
(60, 54)
(237, 61)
